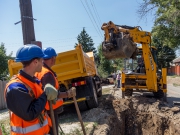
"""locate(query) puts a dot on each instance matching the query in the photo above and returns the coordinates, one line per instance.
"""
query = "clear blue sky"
(60, 21)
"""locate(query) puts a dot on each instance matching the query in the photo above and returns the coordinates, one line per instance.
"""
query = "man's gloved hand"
(54, 101)
(71, 92)
(51, 92)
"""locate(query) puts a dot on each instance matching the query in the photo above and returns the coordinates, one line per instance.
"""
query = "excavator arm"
(135, 34)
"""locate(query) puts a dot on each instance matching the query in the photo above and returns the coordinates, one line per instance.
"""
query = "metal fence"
(2, 100)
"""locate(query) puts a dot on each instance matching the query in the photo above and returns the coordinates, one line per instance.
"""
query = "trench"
(143, 117)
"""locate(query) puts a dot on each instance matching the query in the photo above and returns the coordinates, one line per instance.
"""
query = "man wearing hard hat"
(24, 96)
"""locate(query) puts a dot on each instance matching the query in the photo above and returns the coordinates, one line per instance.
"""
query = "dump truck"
(121, 41)
(74, 68)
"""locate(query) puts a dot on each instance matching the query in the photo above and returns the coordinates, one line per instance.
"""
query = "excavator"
(121, 41)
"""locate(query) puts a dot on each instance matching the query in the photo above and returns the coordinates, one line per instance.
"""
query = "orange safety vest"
(20, 126)
(39, 75)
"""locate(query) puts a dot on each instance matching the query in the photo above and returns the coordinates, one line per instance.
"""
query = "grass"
(176, 85)
(95, 124)
(4, 130)
(105, 91)
(77, 132)
(174, 76)
(5, 126)
(68, 119)
(88, 130)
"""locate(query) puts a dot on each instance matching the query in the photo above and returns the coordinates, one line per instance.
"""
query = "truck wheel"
(128, 92)
(93, 101)
(158, 94)
(82, 106)
(98, 85)
(99, 94)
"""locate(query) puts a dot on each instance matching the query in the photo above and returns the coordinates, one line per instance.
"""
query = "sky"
(59, 22)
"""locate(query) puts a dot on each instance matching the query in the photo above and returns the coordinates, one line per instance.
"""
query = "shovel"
(79, 115)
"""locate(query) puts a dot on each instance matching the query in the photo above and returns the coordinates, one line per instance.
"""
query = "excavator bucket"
(119, 46)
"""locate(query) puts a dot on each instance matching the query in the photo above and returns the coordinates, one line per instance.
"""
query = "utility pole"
(27, 23)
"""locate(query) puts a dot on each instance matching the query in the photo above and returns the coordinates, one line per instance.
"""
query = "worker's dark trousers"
(56, 112)
(118, 86)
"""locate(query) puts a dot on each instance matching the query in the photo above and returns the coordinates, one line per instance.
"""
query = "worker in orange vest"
(47, 75)
(24, 96)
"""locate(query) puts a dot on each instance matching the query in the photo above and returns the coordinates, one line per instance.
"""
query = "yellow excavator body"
(121, 41)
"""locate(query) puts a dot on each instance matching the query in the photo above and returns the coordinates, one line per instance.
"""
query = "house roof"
(176, 60)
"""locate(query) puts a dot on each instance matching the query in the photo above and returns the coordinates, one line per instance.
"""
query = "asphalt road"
(173, 94)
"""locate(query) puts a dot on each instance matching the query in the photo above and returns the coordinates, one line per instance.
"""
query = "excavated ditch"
(138, 116)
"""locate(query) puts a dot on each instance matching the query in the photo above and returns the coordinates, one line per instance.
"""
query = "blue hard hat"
(28, 52)
(49, 52)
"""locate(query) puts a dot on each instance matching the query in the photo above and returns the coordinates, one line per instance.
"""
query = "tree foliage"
(165, 54)
(167, 20)
(105, 66)
(119, 63)
(86, 41)
(4, 62)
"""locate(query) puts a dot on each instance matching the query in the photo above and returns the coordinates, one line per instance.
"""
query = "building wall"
(177, 69)
(174, 70)
(171, 70)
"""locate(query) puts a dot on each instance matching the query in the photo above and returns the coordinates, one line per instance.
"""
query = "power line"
(46, 41)
(47, 30)
(95, 11)
(90, 18)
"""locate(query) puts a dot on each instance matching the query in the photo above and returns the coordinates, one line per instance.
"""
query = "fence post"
(2, 99)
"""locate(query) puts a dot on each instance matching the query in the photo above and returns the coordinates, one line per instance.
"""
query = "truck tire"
(83, 106)
(93, 101)
(128, 92)
(99, 93)
(81, 92)
(159, 94)
(98, 85)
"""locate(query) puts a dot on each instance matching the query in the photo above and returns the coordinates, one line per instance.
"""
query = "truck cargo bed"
(74, 64)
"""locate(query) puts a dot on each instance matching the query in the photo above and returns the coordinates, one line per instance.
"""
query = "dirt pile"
(138, 116)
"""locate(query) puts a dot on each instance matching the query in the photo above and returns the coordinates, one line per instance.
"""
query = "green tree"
(86, 41)
(105, 66)
(119, 63)
(165, 54)
(167, 20)
(4, 62)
